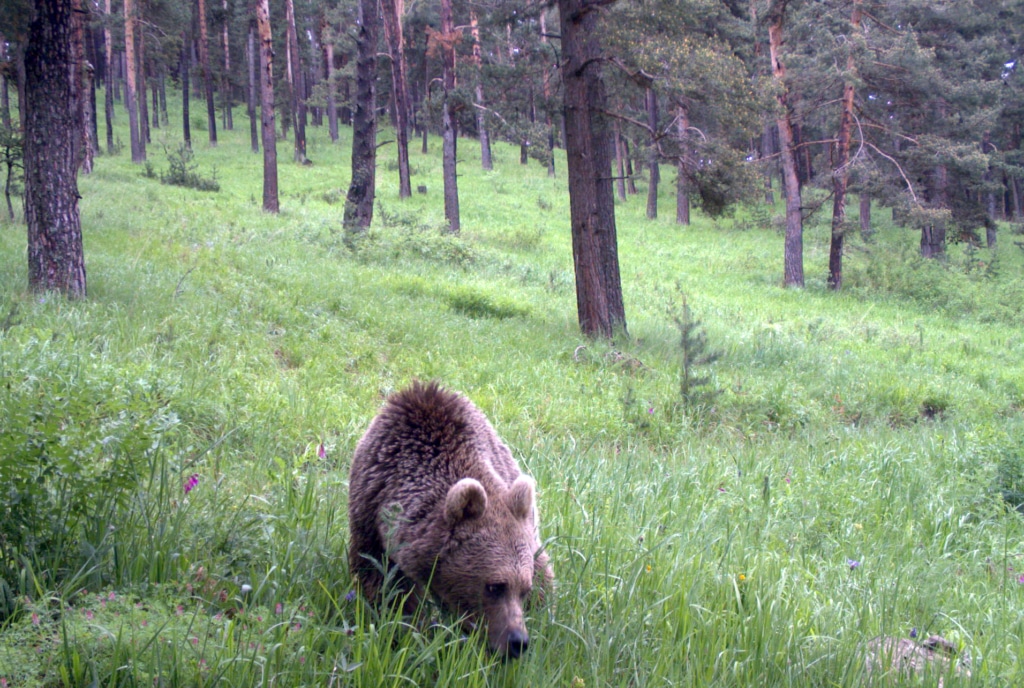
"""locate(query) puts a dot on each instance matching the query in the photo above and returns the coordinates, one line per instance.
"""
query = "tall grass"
(855, 474)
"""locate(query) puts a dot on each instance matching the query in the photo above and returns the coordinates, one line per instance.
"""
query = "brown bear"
(434, 492)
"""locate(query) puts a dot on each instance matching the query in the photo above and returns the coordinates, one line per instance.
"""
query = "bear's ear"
(520, 497)
(466, 500)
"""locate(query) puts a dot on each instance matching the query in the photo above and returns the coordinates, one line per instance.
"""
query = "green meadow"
(174, 450)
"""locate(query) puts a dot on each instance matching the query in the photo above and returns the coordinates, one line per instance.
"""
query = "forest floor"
(180, 440)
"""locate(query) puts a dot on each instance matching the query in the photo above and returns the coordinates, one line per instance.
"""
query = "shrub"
(182, 172)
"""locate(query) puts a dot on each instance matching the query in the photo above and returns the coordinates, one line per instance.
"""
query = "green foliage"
(694, 356)
(182, 168)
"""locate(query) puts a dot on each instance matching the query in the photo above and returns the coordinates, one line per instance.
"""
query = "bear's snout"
(517, 643)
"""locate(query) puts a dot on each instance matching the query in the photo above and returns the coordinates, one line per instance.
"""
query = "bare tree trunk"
(155, 124)
(865, 215)
(767, 149)
(56, 260)
(295, 81)
(448, 133)
(794, 247)
(138, 152)
(81, 81)
(630, 179)
(592, 207)
(204, 65)
(5, 98)
(363, 187)
(988, 148)
(142, 95)
(620, 168)
(225, 84)
(332, 101)
(186, 126)
(270, 200)
(841, 172)
(250, 101)
(547, 96)
(652, 157)
(393, 11)
(481, 112)
(682, 192)
(162, 85)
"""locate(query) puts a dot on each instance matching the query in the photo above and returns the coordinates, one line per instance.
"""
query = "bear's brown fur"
(435, 492)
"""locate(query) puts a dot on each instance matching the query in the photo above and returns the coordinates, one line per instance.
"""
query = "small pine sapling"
(695, 355)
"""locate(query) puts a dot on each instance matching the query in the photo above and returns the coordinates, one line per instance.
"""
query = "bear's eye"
(495, 590)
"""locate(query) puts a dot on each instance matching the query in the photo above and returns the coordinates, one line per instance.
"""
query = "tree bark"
(794, 249)
(186, 126)
(225, 84)
(652, 156)
(448, 122)
(332, 101)
(987, 147)
(481, 114)
(56, 260)
(140, 67)
(270, 200)
(865, 215)
(81, 83)
(155, 123)
(841, 172)
(592, 207)
(682, 189)
(5, 98)
(294, 75)
(362, 189)
(392, 11)
(767, 149)
(620, 167)
(138, 153)
(204, 65)
(250, 100)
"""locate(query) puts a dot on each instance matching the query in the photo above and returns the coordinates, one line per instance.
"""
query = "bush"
(182, 172)
(79, 442)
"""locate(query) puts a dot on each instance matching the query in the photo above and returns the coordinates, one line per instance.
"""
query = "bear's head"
(492, 560)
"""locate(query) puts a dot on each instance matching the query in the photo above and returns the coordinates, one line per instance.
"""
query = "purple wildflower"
(1020, 579)
(351, 596)
(321, 451)
(853, 563)
(192, 481)
(650, 409)
(913, 632)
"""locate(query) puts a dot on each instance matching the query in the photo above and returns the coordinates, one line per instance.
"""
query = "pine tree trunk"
(794, 250)
(162, 85)
(155, 124)
(620, 167)
(229, 123)
(481, 113)
(841, 173)
(56, 260)
(547, 97)
(865, 215)
(80, 83)
(592, 206)
(138, 153)
(250, 100)
(186, 126)
(270, 200)
(204, 65)
(294, 74)
(362, 189)
(630, 178)
(5, 98)
(142, 94)
(682, 188)
(448, 122)
(332, 101)
(652, 157)
(392, 11)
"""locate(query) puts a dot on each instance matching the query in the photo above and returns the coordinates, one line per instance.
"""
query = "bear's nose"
(518, 641)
